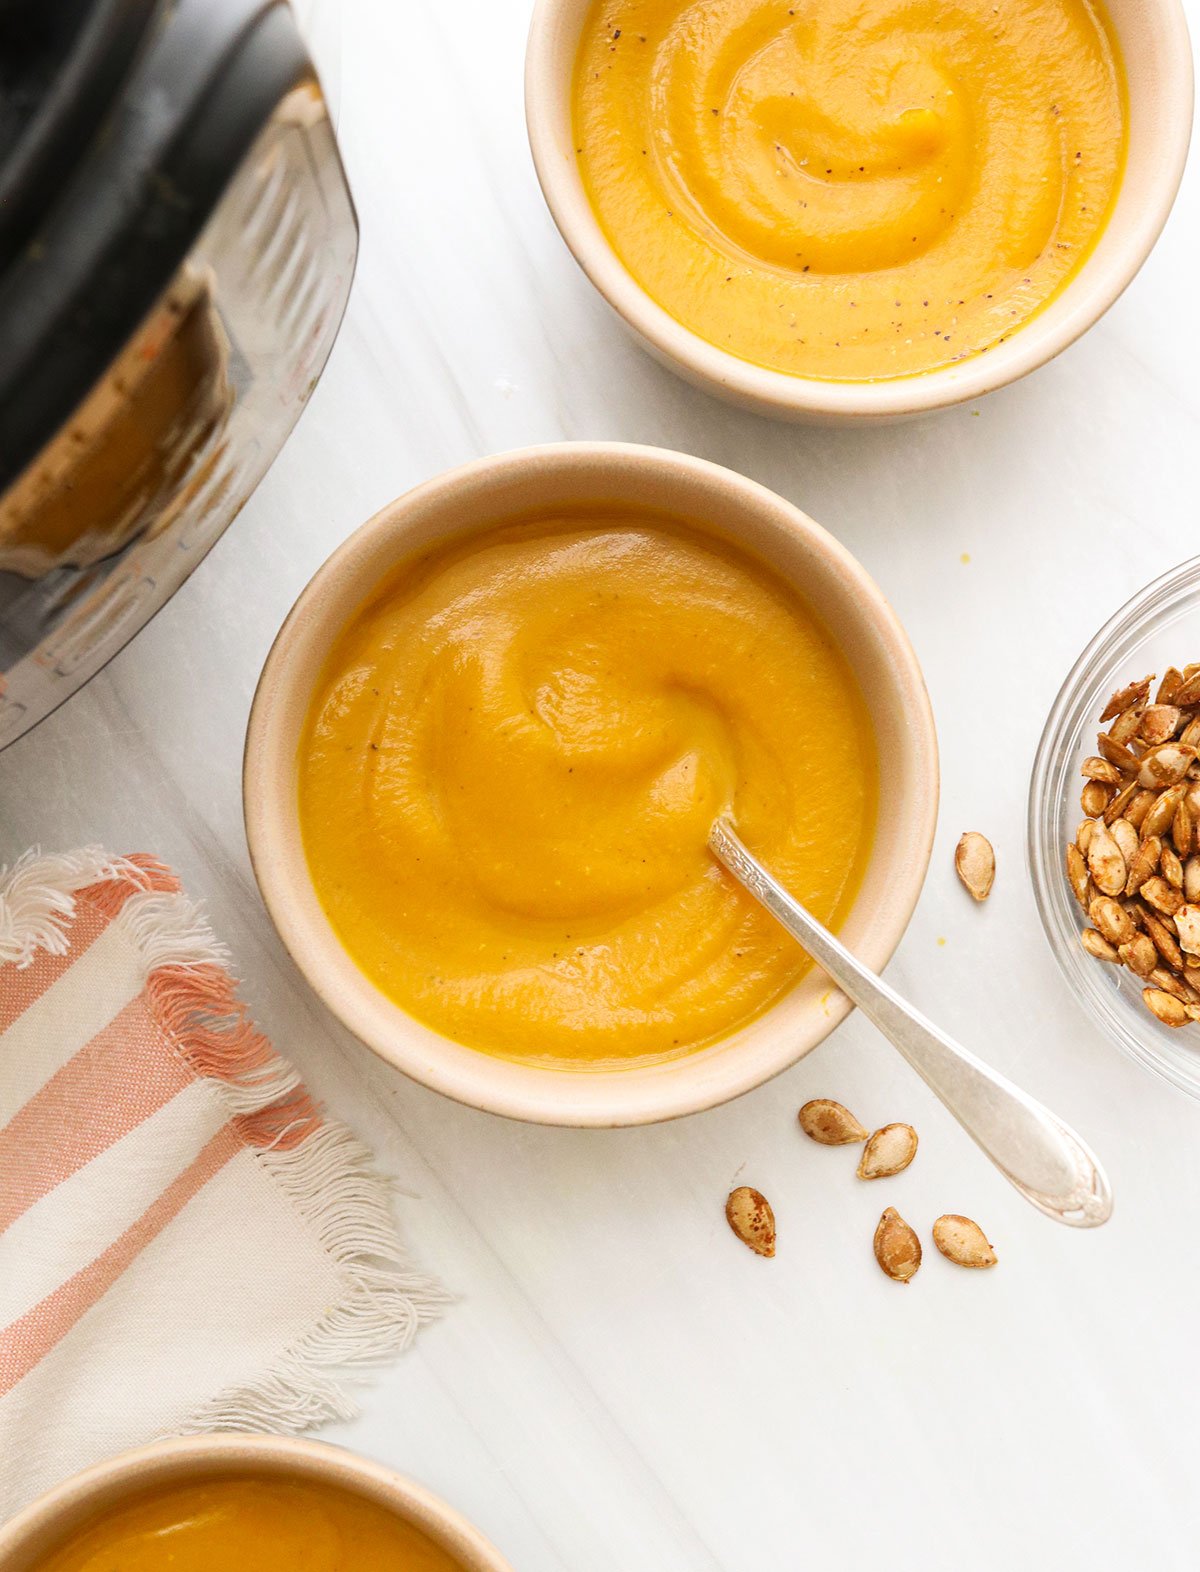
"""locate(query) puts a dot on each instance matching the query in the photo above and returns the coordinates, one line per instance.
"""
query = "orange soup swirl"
(850, 189)
(512, 762)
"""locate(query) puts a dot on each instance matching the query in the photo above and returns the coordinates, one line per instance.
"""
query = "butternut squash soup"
(511, 764)
(249, 1525)
(850, 189)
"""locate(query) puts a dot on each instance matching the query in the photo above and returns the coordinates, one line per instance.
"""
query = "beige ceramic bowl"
(483, 494)
(27, 1539)
(1158, 60)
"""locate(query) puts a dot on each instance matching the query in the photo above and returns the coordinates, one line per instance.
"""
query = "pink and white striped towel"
(186, 1241)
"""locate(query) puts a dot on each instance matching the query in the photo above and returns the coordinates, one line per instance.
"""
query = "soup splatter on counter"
(251, 1525)
(511, 764)
(850, 189)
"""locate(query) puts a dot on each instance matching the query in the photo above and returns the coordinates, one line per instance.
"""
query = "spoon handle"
(1039, 1154)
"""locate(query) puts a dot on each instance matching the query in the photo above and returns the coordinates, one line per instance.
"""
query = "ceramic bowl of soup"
(226, 1501)
(858, 209)
(490, 741)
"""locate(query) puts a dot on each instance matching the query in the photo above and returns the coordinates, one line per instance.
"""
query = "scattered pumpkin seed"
(888, 1152)
(897, 1248)
(750, 1216)
(830, 1123)
(975, 862)
(962, 1241)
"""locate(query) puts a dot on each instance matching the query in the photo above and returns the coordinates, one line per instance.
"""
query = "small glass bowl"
(1159, 627)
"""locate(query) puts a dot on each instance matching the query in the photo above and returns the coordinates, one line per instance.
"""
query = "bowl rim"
(1091, 291)
(527, 1092)
(118, 1478)
(1044, 854)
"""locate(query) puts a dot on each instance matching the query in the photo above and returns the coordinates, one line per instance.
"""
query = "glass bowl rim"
(1044, 848)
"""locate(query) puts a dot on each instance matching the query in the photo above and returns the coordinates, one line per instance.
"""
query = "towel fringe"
(325, 1172)
(38, 894)
(330, 1182)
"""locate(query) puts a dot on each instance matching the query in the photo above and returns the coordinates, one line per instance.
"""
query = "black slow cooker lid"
(61, 66)
(118, 134)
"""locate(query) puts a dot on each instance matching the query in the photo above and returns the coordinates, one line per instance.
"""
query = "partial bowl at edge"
(1159, 627)
(40, 1528)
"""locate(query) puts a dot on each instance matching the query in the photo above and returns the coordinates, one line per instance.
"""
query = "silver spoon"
(1034, 1150)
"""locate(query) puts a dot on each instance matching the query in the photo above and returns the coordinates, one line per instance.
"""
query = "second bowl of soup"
(856, 208)
(490, 741)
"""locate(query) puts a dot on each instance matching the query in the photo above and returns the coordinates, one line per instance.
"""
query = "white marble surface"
(622, 1386)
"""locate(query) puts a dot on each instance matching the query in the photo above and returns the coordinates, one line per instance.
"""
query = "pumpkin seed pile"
(1134, 864)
